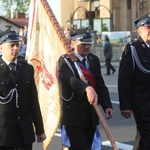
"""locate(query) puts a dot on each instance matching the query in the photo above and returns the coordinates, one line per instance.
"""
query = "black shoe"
(113, 71)
(107, 74)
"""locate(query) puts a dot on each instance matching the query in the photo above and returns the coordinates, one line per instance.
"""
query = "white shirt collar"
(7, 62)
(147, 45)
(80, 57)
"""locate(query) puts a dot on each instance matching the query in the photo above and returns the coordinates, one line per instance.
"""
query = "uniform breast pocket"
(26, 81)
(146, 62)
(5, 87)
(25, 84)
(5, 82)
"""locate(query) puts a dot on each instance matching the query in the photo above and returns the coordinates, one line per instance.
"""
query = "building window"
(128, 4)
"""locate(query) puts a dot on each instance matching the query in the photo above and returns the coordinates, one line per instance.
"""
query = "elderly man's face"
(82, 49)
(144, 32)
(10, 50)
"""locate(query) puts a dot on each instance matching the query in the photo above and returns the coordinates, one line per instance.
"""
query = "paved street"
(123, 130)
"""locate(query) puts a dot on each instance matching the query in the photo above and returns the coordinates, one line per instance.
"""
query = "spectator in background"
(23, 48)
(21, 32)
(67, 32)
(127, 38)
(108, 53)
(25, 31)
(99, 40)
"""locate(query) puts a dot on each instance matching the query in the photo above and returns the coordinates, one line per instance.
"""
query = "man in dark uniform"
(134, 81)
(79, 117)
(19, 107)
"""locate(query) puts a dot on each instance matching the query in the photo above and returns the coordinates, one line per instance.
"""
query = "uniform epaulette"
(136, 43)
(66, 56)
(20, 58)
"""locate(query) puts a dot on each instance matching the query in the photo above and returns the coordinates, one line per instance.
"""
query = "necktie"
(12, 66)
(83, 61)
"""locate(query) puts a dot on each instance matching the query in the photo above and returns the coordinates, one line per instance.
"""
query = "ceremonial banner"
(44, 47)
(46, 42)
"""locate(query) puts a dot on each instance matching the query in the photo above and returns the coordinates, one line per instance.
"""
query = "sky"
(53, 4)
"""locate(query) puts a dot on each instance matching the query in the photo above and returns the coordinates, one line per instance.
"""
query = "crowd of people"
(23, 38)
(19, 106)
